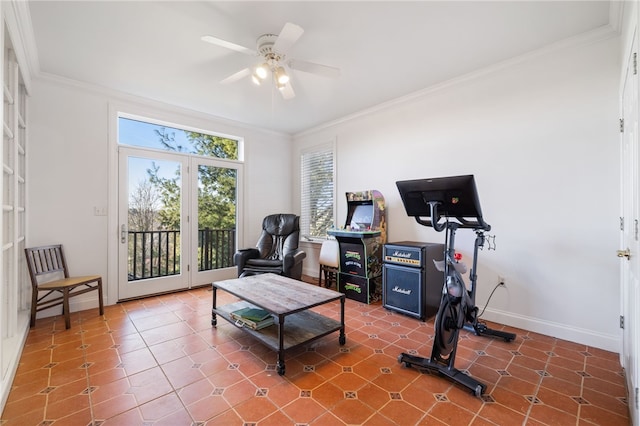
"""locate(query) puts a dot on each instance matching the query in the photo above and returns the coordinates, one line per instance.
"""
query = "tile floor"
(158, 361)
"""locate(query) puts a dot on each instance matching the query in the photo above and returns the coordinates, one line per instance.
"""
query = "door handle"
(624, 253)
(123, 234)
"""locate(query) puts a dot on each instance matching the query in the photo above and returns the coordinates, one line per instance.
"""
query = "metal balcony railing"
(155, 254)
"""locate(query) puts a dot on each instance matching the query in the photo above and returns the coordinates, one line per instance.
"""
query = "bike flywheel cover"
(446, 332)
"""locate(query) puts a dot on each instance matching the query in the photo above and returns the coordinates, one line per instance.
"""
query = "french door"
(629, 242)
(177, 220)
(214, 192)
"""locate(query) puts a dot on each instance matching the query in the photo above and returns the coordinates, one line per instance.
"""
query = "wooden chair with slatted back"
(50, 275)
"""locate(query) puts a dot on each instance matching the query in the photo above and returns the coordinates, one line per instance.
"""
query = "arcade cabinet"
(361, 241)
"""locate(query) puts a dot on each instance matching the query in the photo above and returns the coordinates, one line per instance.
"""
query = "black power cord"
(489, 299)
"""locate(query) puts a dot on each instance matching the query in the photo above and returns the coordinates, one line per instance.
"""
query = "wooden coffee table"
(287, 299)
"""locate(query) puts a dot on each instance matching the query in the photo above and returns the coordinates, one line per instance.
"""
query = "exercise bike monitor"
(450, 197)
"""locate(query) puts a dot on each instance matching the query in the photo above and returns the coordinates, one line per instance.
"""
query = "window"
(146, 134)
(317, 187)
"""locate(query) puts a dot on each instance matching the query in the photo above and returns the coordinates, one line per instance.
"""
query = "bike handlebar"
(434, 221)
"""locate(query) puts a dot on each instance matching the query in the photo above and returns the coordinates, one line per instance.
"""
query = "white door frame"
(629, 250)
(161, 116)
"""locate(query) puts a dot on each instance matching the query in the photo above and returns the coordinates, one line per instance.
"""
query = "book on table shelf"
(253, 318)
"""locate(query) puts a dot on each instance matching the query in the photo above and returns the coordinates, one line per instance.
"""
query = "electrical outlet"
(502, 280)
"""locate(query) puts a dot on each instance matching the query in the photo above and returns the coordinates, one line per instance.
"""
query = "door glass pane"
(216, 217)
(153, 218)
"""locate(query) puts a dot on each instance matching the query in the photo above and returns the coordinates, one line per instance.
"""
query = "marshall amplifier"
(411, 284)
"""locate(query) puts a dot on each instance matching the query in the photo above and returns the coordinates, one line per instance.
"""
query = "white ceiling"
(385, 50)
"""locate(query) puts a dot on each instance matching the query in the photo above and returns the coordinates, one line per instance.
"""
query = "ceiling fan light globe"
(283, 79)
(261, 71)
(281, 76)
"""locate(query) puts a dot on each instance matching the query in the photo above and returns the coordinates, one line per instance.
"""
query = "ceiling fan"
(273, 50)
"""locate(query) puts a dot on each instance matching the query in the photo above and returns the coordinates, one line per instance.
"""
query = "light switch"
(99, 211)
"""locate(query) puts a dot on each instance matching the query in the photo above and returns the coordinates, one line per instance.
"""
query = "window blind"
(317, 187)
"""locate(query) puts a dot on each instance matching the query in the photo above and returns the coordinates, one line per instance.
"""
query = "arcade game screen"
(361, 217)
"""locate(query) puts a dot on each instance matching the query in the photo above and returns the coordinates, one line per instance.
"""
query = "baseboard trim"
(608, 342)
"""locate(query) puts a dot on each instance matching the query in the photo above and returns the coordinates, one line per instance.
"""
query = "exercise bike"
(454, 200)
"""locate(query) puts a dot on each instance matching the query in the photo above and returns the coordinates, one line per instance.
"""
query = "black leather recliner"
(276, 250)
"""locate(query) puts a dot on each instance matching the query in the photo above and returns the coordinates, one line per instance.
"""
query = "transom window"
(157, 136)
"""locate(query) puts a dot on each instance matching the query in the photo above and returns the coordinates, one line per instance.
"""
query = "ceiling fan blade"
(228, 45)
(319, 69)
(236, 76)
(287, 91)
(288, 36)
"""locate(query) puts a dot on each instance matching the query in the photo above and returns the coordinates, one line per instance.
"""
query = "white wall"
(69, 173)
(540, 136)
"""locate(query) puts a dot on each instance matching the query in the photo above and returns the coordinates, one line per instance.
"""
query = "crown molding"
(18, 24)
(616, 12)
(118, 96)
(599, 34)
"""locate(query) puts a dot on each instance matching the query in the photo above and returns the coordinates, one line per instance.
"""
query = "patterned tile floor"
(158, 361)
